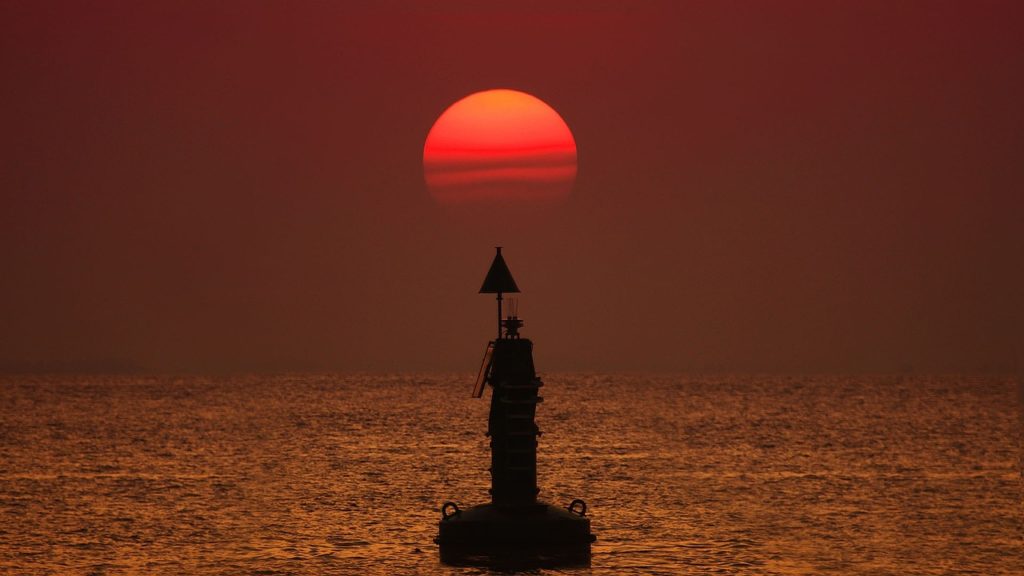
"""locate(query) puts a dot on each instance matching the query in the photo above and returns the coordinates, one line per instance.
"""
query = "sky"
(762, 186)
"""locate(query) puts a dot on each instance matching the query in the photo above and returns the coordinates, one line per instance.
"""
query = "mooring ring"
(582, 507)
(444, 510)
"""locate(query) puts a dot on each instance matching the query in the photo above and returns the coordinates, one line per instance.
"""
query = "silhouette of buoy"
(514, 526)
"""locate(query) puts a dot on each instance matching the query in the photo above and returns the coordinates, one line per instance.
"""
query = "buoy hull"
(536, 535)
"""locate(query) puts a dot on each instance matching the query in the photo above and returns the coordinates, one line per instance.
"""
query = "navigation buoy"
(514, 527)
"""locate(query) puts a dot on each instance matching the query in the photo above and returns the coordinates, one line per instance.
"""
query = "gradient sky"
(763, 186)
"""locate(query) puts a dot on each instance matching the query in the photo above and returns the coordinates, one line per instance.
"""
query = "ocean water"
(327, 474)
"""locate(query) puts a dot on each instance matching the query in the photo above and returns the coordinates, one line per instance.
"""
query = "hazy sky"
(763, 186)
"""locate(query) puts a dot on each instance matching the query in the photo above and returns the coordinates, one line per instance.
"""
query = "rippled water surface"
(345, 474)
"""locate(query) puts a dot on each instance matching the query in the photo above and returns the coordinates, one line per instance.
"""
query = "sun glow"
(500, 145)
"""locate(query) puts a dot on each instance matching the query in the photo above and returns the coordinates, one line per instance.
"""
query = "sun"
(501, 146)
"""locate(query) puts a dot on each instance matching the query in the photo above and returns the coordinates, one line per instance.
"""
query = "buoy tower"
(514, 524)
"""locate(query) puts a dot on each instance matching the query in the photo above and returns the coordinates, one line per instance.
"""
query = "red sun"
(499, 145)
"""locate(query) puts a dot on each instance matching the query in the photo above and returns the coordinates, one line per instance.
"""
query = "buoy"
(515, 528)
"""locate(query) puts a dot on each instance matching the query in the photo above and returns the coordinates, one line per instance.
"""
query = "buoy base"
(540, 535)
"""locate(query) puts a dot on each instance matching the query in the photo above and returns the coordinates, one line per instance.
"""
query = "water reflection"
(345, 475)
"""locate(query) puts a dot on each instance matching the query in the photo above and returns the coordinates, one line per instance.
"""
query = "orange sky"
(784, 186)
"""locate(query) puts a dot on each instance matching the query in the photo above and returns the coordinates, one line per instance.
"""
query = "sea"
(346, 474)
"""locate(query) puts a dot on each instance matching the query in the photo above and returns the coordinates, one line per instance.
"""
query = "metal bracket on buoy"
(578, 503)
(444, 510)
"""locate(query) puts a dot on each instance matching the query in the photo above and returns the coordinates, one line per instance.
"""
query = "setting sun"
(501, 145)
